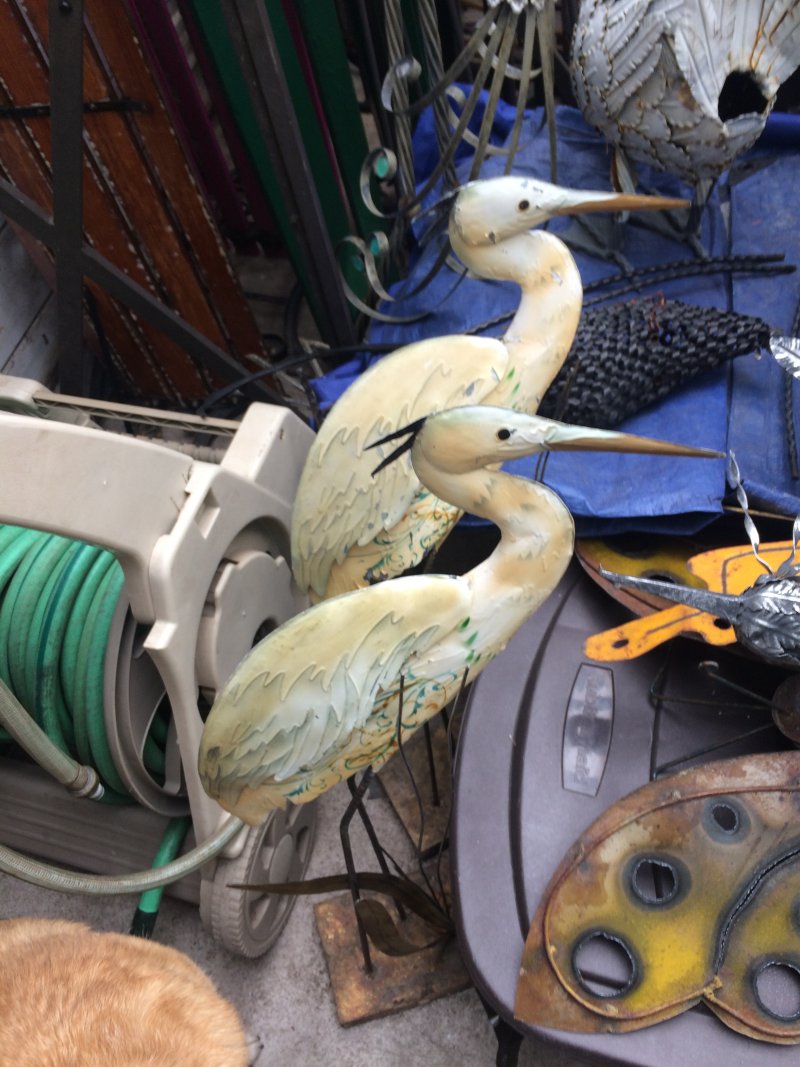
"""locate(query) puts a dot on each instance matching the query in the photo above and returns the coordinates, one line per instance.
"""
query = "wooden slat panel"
(25, 150)
(142, 208)
(24, 164)
(171, 177)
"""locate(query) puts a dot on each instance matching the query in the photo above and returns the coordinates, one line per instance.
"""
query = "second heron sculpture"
(321, 697)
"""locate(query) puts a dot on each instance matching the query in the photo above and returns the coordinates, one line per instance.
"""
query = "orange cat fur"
(72, 997)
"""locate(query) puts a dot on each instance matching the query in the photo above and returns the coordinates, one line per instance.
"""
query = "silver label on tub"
(587, 729)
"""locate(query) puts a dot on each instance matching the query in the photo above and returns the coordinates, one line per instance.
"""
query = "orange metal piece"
(665, 558)
(726, 570)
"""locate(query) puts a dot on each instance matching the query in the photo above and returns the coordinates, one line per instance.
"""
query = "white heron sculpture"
(350, 529)
(318, 699)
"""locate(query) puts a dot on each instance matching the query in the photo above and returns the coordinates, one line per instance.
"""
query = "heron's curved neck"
(536, 542)
(541, 333)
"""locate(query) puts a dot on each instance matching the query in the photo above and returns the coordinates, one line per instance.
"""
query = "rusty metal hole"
(655, 881)
(776, 984)
(741, 94)
(726, 820)
(604, 964)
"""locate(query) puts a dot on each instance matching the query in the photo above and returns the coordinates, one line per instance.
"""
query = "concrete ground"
(285, 998)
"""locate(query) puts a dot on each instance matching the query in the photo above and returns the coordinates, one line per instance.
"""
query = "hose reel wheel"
(251, 591)
(249, 923)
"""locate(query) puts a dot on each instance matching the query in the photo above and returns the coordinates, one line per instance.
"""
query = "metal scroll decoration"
(506, 27)
(690, 885)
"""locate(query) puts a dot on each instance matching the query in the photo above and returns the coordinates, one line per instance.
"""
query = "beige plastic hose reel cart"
(201, 531)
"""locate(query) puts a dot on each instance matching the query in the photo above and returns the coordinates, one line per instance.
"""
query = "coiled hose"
(63, 881)
(57, 600)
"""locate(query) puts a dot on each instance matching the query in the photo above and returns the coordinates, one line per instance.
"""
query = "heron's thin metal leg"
(509, 1040)
(377, 847)
(436, 798)
(357, 791)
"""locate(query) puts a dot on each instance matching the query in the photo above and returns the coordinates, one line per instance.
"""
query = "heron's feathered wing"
(305, 697)
(650, 75)
(339, 504)
(715, 37)
(622, 46)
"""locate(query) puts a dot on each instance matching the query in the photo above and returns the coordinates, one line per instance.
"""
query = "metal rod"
(436, 799)
(250, 30)
(370, 55)
(708, 749)
(357, 792)
(90, 107)
(66, 103)
(369, 827)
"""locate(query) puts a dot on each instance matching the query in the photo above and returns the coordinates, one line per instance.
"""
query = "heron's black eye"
(523, 205)
(503, 435)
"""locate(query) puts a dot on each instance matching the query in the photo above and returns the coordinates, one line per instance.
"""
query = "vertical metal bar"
(323, 37)
(451, 21)
(357, 792)
(371, 61)
(431, 37)
(436, 799)
(396, 48)
(250, 30)
(66, 124)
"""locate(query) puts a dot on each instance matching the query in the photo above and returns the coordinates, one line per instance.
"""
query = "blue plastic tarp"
(740, 407)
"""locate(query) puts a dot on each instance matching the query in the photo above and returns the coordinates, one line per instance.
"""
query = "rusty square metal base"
(396, 982)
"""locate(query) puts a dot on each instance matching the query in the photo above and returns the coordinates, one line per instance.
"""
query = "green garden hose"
(57, 601)
(166, 868)
(78, 779)
(144, 918)
(49, 704)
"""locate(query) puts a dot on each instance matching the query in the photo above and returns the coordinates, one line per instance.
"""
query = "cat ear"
(686, 890)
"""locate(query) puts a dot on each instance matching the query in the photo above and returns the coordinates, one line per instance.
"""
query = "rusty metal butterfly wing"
(687, 890)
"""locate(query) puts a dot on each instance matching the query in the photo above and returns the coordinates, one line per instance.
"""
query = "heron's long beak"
(560, 437)
(492, 210)
(584, 202)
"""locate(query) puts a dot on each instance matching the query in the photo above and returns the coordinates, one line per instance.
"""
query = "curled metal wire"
(488, 54)
(734, 478)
